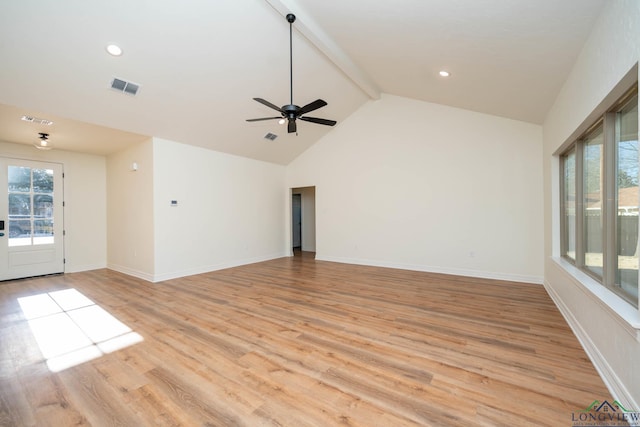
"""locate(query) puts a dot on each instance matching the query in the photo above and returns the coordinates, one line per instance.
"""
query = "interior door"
(31, 219)
(296, 220)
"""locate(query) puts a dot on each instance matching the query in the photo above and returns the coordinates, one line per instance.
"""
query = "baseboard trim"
(80, 268)
(215, 267)
(131, 272)
(608, 375)
(538, 280)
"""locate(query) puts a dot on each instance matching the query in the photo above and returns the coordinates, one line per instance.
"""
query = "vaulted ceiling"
(199, 63)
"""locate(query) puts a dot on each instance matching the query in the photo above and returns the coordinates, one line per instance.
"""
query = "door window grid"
(31, 219)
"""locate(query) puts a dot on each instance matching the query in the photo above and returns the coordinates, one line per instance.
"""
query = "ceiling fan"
(293, 112)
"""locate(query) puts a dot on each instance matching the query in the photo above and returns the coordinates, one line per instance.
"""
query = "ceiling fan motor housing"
(291, 111)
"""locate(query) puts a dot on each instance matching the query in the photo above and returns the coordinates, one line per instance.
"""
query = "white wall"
(130, 211)
(229, 210)
(409, 184)
(85, 198)
(610, 340)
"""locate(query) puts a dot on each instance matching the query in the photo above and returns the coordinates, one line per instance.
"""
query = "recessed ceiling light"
(444, 73)
(114, 50)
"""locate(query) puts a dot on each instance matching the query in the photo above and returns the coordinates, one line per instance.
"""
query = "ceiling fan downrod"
(291, 18)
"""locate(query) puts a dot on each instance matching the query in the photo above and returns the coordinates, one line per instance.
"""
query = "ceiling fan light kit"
(292, 112)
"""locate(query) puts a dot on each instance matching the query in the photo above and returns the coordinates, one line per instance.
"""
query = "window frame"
(609, 209)
(564, 236)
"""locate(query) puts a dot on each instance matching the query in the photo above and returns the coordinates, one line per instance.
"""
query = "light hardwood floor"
(299, 342)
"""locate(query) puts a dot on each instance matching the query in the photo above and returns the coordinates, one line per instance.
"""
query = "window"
(600, 199)
(592, 200)
(30, 206)
(627, 162)
(570, 204)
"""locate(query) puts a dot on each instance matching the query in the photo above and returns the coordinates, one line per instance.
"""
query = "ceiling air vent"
(124, 86)
(36, 120)
(270, 136)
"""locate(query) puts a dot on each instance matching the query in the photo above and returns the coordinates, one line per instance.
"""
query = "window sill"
(626, 314)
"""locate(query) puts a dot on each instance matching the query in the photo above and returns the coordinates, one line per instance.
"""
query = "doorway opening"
(303, 221)
(296, 221)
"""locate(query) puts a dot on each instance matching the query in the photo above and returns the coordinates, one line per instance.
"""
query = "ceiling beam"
(309, 28)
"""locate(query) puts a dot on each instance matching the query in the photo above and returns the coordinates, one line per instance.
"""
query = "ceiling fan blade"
(319, 121)
(268, 104)
(264, 118)
(291, 127)
(318, 103)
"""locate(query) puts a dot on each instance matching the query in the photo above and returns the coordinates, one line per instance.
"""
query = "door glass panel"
(42, 206)
(19, 205)
(19, 179)
(43, 181)
(19, 229)
(19, 219)
(42, 231)
(31, 216)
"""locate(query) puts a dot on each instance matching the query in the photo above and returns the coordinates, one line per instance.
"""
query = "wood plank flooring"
(299, 342)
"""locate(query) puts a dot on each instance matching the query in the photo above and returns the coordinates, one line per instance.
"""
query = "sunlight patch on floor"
(70, 329)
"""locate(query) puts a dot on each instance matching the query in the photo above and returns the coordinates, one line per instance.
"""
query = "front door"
(31, 222)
